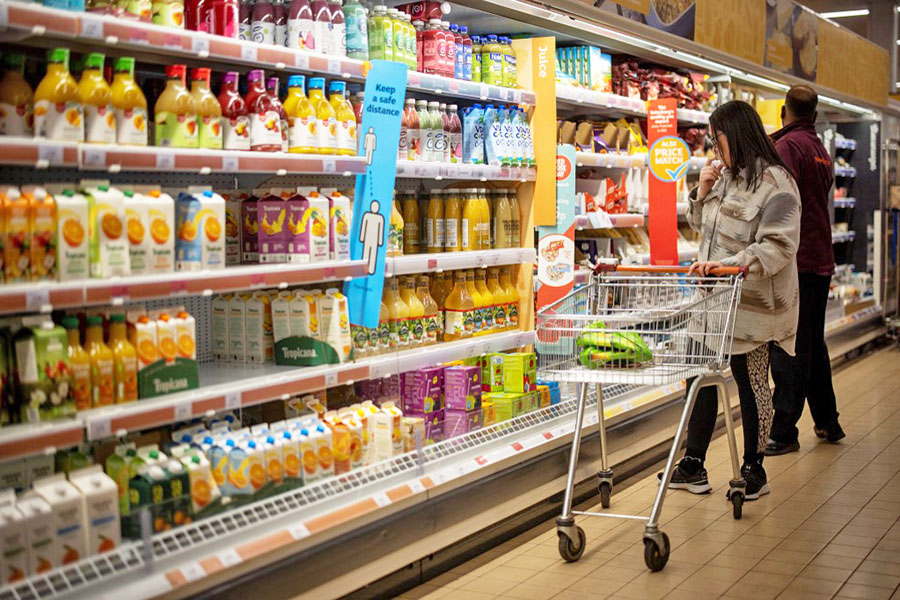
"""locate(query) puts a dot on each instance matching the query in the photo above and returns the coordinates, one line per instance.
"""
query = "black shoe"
(689, 475)
(774, 448)
(757, 482)
(831, 433)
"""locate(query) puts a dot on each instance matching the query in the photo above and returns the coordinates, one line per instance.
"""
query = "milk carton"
(281, 315)
(339, 219)
(42, 229)
(200, 236)
(334, 319)
(108, 240)
(69, 519)
(249, 230)
(258, 327)
(72, 240)
(233, 200)
(237, 342)
(39, 532)
(13, 541)
(273, 231)
(219, 323)
(308, 237)
(100, 501)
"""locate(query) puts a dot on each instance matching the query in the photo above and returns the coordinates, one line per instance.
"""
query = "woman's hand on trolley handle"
(704, 268)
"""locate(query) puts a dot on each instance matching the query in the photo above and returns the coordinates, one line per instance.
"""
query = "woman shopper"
(747, 209)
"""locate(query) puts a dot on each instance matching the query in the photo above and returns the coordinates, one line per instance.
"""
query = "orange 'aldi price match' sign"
(668, 158)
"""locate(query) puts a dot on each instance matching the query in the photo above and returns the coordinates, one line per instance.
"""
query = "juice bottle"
(514, 220)
(58, 112)
(433, 48)
(301, 117)
(168, 13)
(438, 293)
(434, 223)
(504, 229)
(512, 297)
(338, 29)
(455, 143)
(411, 234)
(245, 20)
(375, 25)
(326, 122)
(130, 105)
(321, 33)
(403, 145)
(435, 142)
(235, 122)
(124, 360)
(476, 58)
(383, 332)
(209, 111)
(300, 25)
(395, 231)
(96, 98)
(466, 52)
(357, 30)
(453, 226)
(446, 153)
(272, 88)
(398, 36)
(489, 302)
(80, 364)
(430, 317)
(471, 221)
(399, 317)
(358, 102)
(102, 361)
(448, 59)
(419, 30)
(485, 220)
(411, 41)
(176, 112)
(262, 23)
(424, 131)
(345, 119)
(265, 121)
(224, 18)
(478, 304)
(16, 97)
(509, 63)
(459, 53)
(500, 299)
(280, 23)
(458, 309)
(416, 310)
(491, 61)
(196, 15)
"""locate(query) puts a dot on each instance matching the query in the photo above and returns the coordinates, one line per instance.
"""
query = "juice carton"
(202, 484)
(137, 225)
(492, 372)
(238, 479)
(200, 239)
(544, 394)
(43, 373)
(249, 231)
(422, 390)
(273, 448)
(69, 519)
(150, 489)
(508, 405)
(519, 372)
(117, 467)
(186, 329)
(281, 315)
(217, 455)
(366, 413)
(219, 321)
(166, 337)
(273, 232)
(334, 319)
(342, 441)
(13, 541)
(42, 225)
(72, 249)
(339, 226)
(37, 467)
(309, 455)
(412, 427)
(390, 409)
(304, 315)
(258, 327)
(459, 422)
(462, 388)
(100, 501)
(150, 223)
(308, 237)
(39, 532)
(434, 427)
(290, 446)
(237, 339)
(256, 465)
(109, 242)
(233, 199)
(146, 342)
(12, 475)
(324, 449)
(354, 424)
(489, 412)
(16, 235)
(180, 485)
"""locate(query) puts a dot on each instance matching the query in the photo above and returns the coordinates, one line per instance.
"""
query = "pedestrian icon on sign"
(369, 144)
(371, 235)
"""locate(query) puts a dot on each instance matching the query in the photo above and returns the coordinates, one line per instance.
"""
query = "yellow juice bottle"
(514, 220)
(452, 221)
(345, 118)
(471, 221)
(458, 310)
(326, 121)
(477, 304)
(399, 317)
(507, 282)
(124, 360)
(209, 111)
(16, 98)
(487, 309)
(416, 311)
(409, 208)
(436, 289)
(102, 361)
(130, 105)
(500, 300)
(501, 220)
(80, 364)
(395, 231)
(434, 222)
(301, 117)
(175, 113)
(97, 100)
(58, 112)
(485, 221)
(430, 318)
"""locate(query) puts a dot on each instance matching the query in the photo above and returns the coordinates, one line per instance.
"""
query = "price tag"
(413, 79)
(230, 164)
(331, 379)
(482, 91)
(93, 158)
(91, 27)
(183, 411)
(37, 299)
(301, 61)
(470, 351)
(200, 45)
(100, 429)
(193, 571)
(416, 487)
(172, 41)
(232, 400)
(165, 161)
(248, 52)
(298, 531)
(600, 220)
(328, 165)
(229, 557)
(504, 94)
(334, 65)
(138, 36)
(381, 499)
(51, 153)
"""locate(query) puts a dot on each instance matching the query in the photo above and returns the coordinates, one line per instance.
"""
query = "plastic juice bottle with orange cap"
(485, 206)
(102, 363)
(80, 363)
(301, 117)
(97, 100)
(436, 290)
(124, 360)
(395, 231)
(489, 302)
(458, 309)
(209, 111)
(416, 311)
(499, 296)
(399, 317)
(175, 113)
(58, 112)
(507, 282)
(16, 97)
(130, 105)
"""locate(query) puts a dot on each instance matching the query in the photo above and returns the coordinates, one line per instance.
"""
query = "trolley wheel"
(569, 551)
(655, 557)
(605, 493)
(737, 503)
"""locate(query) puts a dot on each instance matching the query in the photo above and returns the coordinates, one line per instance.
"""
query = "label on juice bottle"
(456, 147)
(500, 315)
(100, 124)
(103, 386)
(236, 133)
(126, 380)
(326, 134)
(492, 68)
(455, 322)
(302, 132)
(346, 135)
(81, 384)
(299, 34)
(265, 129)
(431, 327)
(262, 32)
(357, 34)
(16, 120)
(513, 314)
(209, 133)
(141, 8)
(131, 126)
(168, 14)
(176, 131)
(62, 122)
(403, 146)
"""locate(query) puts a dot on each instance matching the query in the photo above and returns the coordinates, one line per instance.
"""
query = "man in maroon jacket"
(806, 376)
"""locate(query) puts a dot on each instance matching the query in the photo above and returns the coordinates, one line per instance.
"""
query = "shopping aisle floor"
(830, 527)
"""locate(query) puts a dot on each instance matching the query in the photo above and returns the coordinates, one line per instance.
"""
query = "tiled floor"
(830, 527)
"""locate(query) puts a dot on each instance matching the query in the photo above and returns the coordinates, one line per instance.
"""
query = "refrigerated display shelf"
(845, 144)
(844, 202)
(843, 324)
(609, 103)
(838, 237)
(602, 220)
(439, 171)
(447, 261)
(844, 171)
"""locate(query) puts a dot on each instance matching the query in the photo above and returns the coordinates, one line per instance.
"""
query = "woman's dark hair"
(748, 145)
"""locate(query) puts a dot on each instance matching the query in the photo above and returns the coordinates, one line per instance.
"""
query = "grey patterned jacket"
(760, 230)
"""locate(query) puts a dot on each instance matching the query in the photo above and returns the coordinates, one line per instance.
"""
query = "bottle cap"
(492, 39)
(231, 77)
(463, 29)
(434, 22)
(70, 322)
(93, 320)
(297, 81)
(176, 72)
(125, 64)
(94, 60)
(317, 83)
(195, 459)
(337, 87)
(272, 84)
(117, 318)
(256, 75)
(58, 55)
(200, 74)
(454, 27)
(13, 61)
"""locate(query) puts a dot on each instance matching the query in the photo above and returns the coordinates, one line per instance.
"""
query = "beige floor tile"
(508, 573)
(487, 585)
(826, 573)
(875, 566)
(527, 591)
(863, 592)
(875, 579)
(641, 591)
(811, 585)
(423, 591)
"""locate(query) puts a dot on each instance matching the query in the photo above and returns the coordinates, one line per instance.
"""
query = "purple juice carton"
(271, 212)
(249, 230)
(462, 388)
(307, 227)
(421, 390)
(434, 427)
(459, 422)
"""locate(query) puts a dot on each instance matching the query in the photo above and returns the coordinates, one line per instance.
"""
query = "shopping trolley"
(645, 326)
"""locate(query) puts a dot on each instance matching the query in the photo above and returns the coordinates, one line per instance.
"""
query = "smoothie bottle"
(130, 105)
(492, 61)
(102, 361)
(357, 30)
(245, 20)
(272, 86)
(419, 27)
(379, 46)
(300, 25)
(80, 364)
(507, 282)
(224, 18)
(437, 132)
(399, 322)
(262, 25)
(265, 121)
(501, 223)
(449, 58)
(458, 308)
(209, 111)
(455, 134)
(433, 48)
(16, 97)
(338, 29)
(301, 117)
(321, 33)
(124, 360)
(58, 112)
(477, 304)
(509, 63)
(168, 13)
(280, 23)
(514, 220)
(487, 309)
(485, 218)
(403, 145)
(398, 36)
(476, 58)
(445, 133)
(466, 52)
(326, 122)
(459, 53)
(235, 122)
(411, 52)
(345, 119)
(176, 112)
(413, 130)
(423, 153)
(499, 296)
(196, 15)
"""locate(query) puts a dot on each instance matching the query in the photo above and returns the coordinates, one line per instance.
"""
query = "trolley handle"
(719, 271)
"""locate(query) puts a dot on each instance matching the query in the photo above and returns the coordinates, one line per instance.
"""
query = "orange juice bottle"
(458, 310)
(477, 304)
(15, 229)
(80, 363)
(395, 230)
(515, 218)
(434, 222)
(452, 221)
(399, 317)
(16, 98)
(58, 113)
(124, 360)
(436, 289)
(487, 309)
(209, 111)
(471, 221)
(416, 311)
(409, 208)
(345, 118)
(512, 297)
(97, 100)
(130, 104)
(430, 318)
(42, 229)
(301, 117)
(500, 301)
(485, 241)
(166, 334)
(102, 363)
(175, 112)
(326, 121)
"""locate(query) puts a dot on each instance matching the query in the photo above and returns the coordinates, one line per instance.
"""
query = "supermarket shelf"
(844, 171)
(459, 88)
(613, 103)
(447, 261)
(860, 317)
(838, 237)
(845, 144)
(680, 207)
(625, 161)
(45, 296)
(18, 441)
(28, 152)
(441, 171)
(844, 202)
(605, 221)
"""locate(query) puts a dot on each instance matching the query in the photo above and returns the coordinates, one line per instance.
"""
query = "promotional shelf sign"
(668, 158)
(556, 243)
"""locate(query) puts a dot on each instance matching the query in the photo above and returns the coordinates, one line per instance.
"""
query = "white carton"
(72, 236)
(237, 340)
(100, 499)
(219, 321)
(39, 532)
(258, 327)
(69, 518)
(334, 320)
(109, 241)
(13, 541)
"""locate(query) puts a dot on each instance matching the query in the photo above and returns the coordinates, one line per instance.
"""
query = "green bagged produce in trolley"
(594, 358)
(620, 345)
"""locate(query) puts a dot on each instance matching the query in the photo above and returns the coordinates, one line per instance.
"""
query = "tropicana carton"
(109, 244)
(72, 249)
